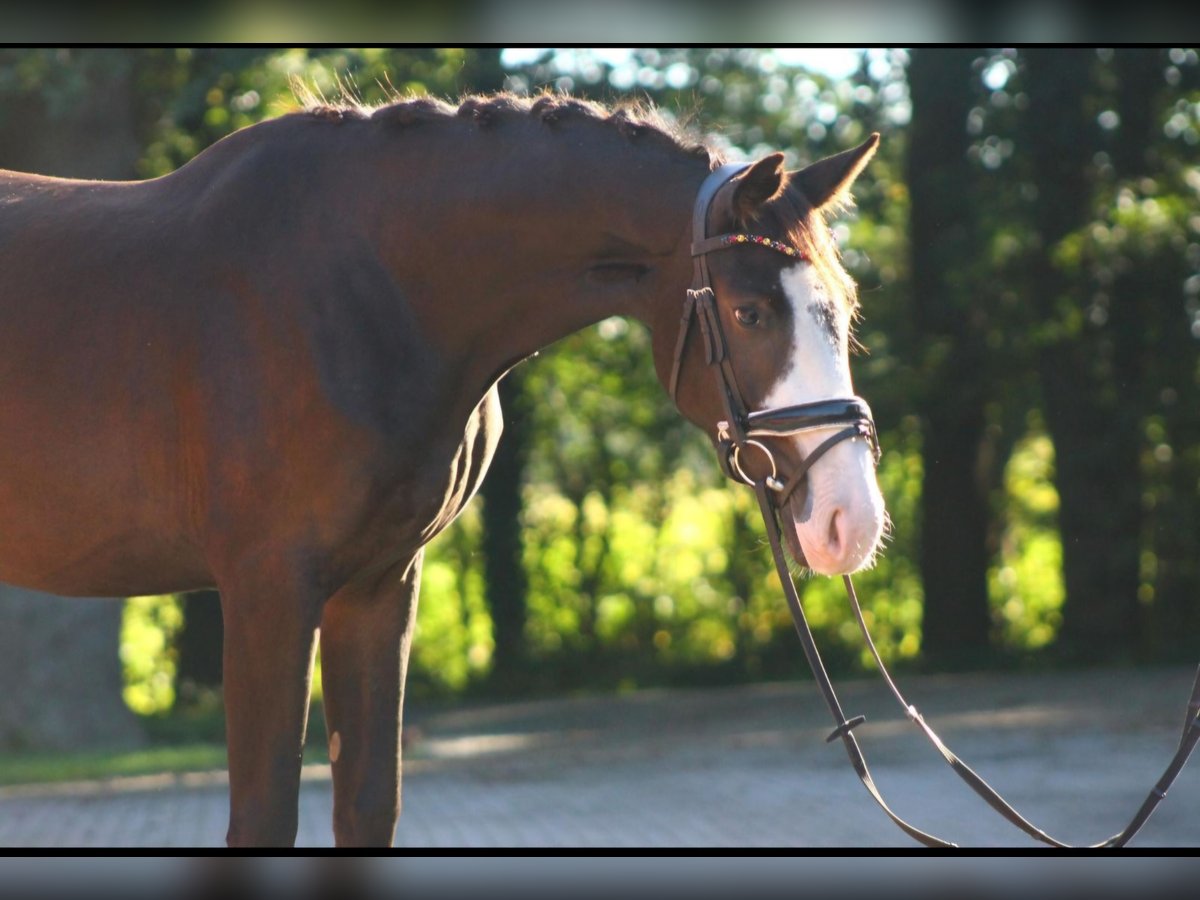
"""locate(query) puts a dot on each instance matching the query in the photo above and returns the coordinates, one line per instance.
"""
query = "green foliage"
(1026, 587)
(43, 767)
(61, 78)
(453, 640)
(207, 93)
(179, 742)
(148, 625)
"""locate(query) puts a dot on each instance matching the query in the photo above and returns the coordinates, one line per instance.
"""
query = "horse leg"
(270, 636)
(366, 631)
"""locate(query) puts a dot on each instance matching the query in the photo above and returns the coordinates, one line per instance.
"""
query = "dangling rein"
(853, 416)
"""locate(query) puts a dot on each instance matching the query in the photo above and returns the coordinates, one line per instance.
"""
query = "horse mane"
(631, 119)
(789, 215)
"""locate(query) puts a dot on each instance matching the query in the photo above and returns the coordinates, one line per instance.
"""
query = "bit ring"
(735, 465)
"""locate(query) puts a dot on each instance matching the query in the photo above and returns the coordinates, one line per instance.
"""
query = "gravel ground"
(743, 767)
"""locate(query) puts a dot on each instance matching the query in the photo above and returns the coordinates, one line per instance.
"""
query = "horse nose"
(845, 541)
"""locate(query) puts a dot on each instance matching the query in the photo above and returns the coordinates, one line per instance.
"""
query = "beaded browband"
(721, 241)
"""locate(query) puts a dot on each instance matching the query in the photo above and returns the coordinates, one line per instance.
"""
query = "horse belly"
(73, 538)
(86, 501)
(91, 449)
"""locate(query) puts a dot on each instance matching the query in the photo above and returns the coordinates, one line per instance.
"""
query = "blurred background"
(1027, 246)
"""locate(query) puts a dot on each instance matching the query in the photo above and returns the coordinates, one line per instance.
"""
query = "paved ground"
(737, 767)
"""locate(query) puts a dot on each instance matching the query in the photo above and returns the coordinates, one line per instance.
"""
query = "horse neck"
(536, 235)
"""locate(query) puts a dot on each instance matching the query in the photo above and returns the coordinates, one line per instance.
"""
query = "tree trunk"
(1091, 409)
(506, 582)
(1157, 355)
(945, 245)
(198, 644)
(1175, 605)
(59, 657)
(61, 673)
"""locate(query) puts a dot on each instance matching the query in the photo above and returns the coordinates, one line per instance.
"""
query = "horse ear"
(761, 183)
(827, 181)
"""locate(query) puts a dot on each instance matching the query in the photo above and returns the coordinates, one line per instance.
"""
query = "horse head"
(775, 310)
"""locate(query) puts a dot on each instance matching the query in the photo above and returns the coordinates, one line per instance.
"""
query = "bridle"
(741, 430)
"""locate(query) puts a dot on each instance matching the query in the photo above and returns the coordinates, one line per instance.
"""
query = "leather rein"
(851, 417)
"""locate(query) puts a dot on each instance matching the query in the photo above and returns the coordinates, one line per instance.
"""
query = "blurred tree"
(951, 314)
(505, 579)
(1139, 264)
(1088, 374)
(70, 113)
(198, 659)
(1171, 260)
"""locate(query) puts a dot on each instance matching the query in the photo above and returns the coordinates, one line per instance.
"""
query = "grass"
(176, 744)
(46, 768)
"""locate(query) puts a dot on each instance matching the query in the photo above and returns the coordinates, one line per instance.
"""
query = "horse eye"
(746, 315)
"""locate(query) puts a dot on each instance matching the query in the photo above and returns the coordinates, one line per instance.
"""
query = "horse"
(274, 370)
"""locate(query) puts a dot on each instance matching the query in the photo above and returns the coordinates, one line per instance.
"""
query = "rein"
(737, 433)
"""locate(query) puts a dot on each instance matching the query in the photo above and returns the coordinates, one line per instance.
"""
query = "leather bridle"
(741, 430)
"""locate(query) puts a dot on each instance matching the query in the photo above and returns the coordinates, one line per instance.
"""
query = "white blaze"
(842, 519)
(819, 367)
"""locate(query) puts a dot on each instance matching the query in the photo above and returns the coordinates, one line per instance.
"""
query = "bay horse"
(274, 371)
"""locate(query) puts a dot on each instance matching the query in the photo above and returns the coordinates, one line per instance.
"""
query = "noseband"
(739, 432)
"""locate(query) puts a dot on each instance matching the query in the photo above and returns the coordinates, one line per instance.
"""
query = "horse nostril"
(835, 532)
